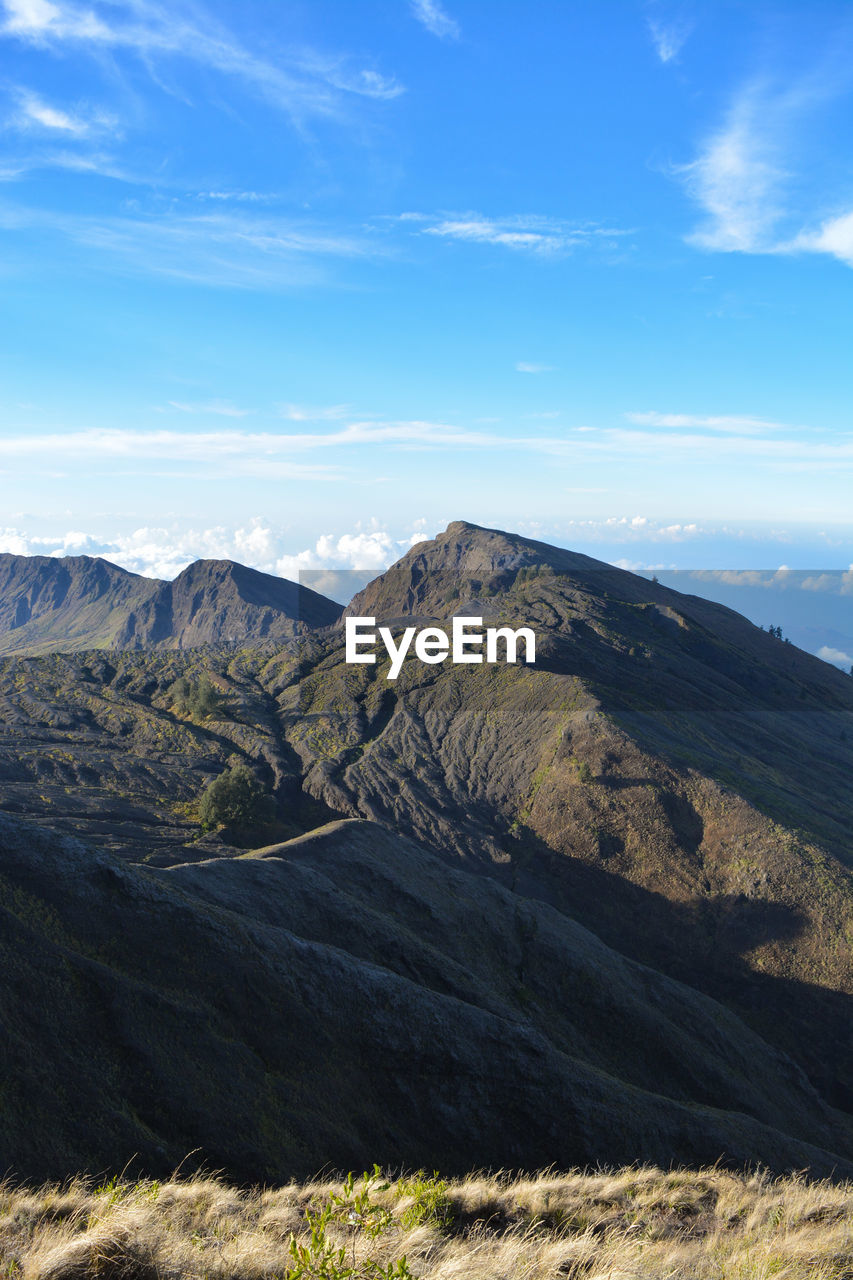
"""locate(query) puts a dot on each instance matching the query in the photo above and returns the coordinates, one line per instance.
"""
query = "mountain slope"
(220, 602)
(51, 605)
(667, 776)
(667, 773)
(318, 1003)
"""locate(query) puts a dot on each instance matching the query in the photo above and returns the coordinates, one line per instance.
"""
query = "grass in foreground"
(610, 1226)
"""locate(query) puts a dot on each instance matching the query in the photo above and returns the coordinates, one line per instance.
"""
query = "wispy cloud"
(302, 83)
(731, 424)
(526, 233)
(227, 249)
(37, 18)
(241, 197)
(219, 408)
(746, 180)
(668, 29)
(34, 111)
(309, 413)
(193, 446)
(433, 17)
(268, 452)
(738, 179)
(525, 366)
(668, 40)
(486, 231)
(85, 159)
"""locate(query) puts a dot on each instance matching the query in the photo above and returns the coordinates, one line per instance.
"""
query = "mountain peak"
(477, 547)
(434, 576)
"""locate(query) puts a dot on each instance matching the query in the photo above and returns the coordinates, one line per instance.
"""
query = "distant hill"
(51, 605)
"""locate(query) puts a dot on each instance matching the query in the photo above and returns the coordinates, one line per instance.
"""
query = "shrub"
(430, 1201)
(317, 1256)
(235, 799)
(583, 771)
(201, 701)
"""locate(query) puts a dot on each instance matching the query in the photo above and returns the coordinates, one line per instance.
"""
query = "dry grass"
(610, 1226)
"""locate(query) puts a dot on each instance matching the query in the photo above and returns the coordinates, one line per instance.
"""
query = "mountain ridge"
(74, 603)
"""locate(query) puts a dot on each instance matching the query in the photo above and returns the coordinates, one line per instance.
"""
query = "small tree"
(201, 701)
(235, 799)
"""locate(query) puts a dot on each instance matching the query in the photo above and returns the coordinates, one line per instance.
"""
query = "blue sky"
(297, 283)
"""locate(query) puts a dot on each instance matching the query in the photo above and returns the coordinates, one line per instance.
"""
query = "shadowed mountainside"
(349, 996)
(53, 605)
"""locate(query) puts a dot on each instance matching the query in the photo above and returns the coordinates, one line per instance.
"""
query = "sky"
(298, 283)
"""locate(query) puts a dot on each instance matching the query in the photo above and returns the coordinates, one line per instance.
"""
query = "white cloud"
(433, 17)
(164, 551)
(642, 528)
(835, 237)
(331, 564)
(12, 542)
(42, 20)
(781, 579)
(30, 15)
(837, 657)
(839, 583)
(34, 111)
(524, 366)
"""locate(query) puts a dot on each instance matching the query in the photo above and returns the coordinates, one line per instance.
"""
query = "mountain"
(52, 605)
(668, 773)
(219, 602)
(349, 997)
(667, 780)
(49, 604)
